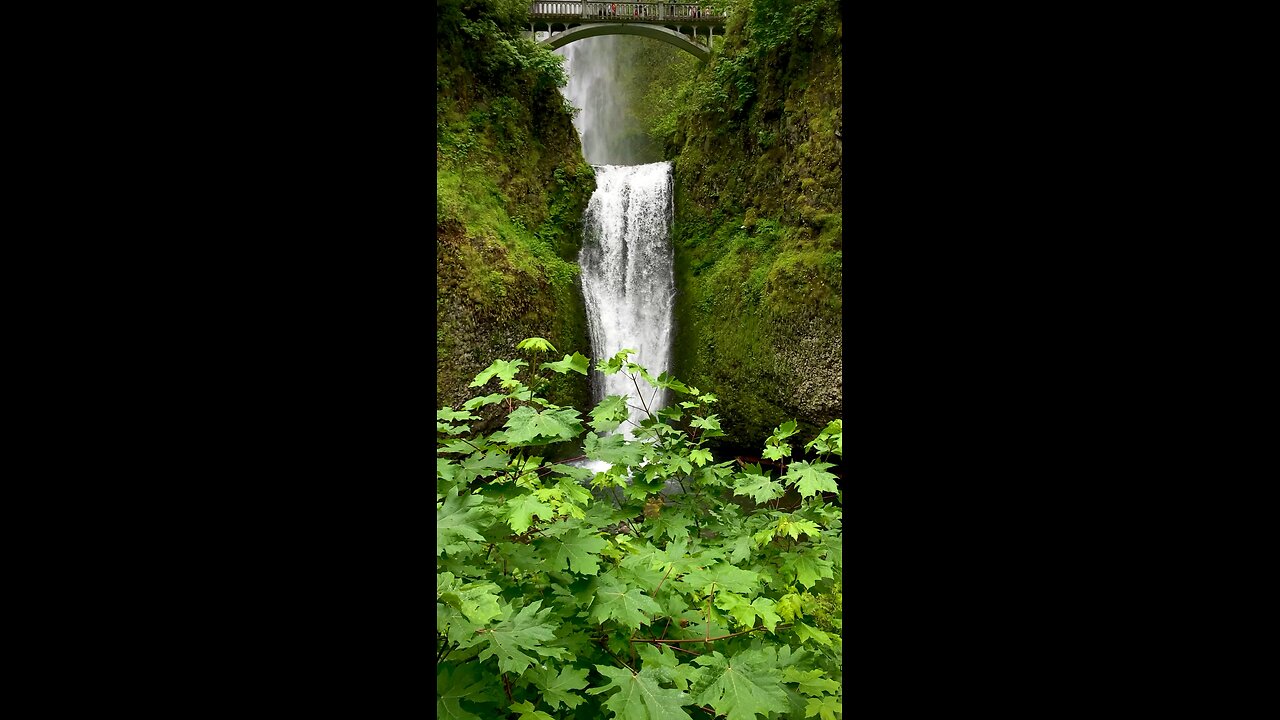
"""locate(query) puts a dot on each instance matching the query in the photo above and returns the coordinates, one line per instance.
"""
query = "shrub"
(553, 601)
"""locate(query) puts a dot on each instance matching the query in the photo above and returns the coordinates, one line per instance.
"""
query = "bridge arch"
(655, 32)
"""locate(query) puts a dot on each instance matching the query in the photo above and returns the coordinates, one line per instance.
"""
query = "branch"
(605, 647)
(664, 579)
(710, 639)
(640, 394)
(680, 649)
(506, 685)
(706, 629)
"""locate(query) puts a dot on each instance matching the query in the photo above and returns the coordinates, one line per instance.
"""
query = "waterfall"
(610, 132)
(627, 277)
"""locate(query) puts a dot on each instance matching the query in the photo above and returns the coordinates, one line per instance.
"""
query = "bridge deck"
(644, 12)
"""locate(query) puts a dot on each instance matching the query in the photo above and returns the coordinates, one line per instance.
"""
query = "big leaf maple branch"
(708, 639)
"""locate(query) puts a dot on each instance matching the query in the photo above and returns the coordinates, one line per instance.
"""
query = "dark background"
(997, 358)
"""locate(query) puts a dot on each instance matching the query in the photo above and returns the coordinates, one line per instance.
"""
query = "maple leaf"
(484, 465)
(738, 607)
(628, 607)
(740, 687)
(636, 570)
(455, 683)
(742, 547)
(575, 362)
(477, 601)
(527, 712)
(667, 667)
(825, 709)
(678, 465)
(456, 519)
(785, 430)
(811, 478)
(808, 567)
(476, 402)
(556, 689)
(451, 429)
(806, 633)
(760, 488)
(519, 512)
(578, 550)
(449, 414)
(790, 607)
(640, 697)
(777, 452)
(725, 576)
(710, 423)
(614, 364)
(665, 380)
(446, 470)
(674, 524)
(531, 427)
(764, 608)
(795, 527)
(503, 369)
(526, 630)
(457, 446)
(700, 456)
(577, 473)
(812, 682)
(537, 344)
(829, 440)
(613, 449)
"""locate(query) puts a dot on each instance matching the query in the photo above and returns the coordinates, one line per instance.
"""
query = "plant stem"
(533, 376)
(664, 579)
(640, 395)
(708, 639)
(706, 628)
(677, 648)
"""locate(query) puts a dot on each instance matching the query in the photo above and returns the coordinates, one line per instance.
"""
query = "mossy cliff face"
(511, 189)
(758, 223)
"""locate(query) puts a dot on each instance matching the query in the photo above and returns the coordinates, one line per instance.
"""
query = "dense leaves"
(571, 592)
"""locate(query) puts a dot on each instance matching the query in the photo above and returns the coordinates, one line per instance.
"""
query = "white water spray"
(610, 132)
(627, 277)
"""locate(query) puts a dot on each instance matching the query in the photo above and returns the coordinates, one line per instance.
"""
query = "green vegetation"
(758, 229)
(511, 188)
(722, 600)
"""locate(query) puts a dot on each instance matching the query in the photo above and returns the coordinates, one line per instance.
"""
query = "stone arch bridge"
(685, 25)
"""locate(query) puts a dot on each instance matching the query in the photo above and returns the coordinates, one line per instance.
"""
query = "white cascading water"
(628, 280)
(627, 277)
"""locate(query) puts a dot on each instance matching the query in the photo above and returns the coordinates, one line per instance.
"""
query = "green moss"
(511, 187)
(758, 235)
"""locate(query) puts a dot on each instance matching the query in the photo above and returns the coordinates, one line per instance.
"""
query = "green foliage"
(511, 186)
(552, 603)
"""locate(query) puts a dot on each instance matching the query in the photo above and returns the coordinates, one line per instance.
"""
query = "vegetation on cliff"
(722, 600)
(757, 237)
(511, 187)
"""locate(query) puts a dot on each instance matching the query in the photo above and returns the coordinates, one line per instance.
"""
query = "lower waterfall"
(627, 277)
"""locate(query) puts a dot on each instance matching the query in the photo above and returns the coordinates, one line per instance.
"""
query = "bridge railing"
(649, 11)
